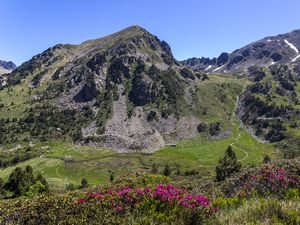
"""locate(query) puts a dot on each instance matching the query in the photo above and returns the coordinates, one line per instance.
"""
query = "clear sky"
(193, 28)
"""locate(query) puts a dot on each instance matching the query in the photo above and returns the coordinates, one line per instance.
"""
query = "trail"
(241, 125)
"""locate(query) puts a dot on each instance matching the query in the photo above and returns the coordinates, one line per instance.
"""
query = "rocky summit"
(6, 67)
(280, 49)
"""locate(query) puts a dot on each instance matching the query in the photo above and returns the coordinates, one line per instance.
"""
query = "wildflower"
(189, 197)
(81, 201)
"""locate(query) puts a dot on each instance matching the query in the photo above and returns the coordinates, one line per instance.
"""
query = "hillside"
(270, 107)
(124, 91)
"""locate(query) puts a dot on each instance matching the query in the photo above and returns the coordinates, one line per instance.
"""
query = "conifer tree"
(227, 165)
(167, 171)
(154, 168)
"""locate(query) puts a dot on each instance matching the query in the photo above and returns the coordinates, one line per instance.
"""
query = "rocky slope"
(269, 108)
(280, 49)
(134, 89)
(6, 67)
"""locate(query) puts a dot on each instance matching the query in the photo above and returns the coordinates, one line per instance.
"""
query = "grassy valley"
(64, 162)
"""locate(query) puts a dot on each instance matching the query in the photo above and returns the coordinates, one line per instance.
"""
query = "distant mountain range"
(6, 67)
(280, 49)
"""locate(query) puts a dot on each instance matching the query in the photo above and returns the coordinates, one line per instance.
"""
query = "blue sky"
(191, 27)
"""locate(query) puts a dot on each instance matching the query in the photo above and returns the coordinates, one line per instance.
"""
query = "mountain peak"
(6, 67)
(135, 27)
(117, 37)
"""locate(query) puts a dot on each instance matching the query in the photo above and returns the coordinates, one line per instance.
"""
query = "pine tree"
(227, 165)
(29, 175)
(2, 191)
(154, 168)
(167, 171)
(17, 182)
(84, 183)
(111, 178)
(266, 159)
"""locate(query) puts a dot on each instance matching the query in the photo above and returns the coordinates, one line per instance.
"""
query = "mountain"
(123, 91)
(280, 49)
(126, 91)
(6, 67)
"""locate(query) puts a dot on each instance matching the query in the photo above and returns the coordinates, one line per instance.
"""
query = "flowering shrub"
(162, 199)
(271, 179)
(127, 197)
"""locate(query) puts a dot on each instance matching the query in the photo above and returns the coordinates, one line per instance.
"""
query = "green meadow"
(64, 163)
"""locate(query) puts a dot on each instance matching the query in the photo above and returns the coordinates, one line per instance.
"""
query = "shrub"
(271, 180)
(70, 187)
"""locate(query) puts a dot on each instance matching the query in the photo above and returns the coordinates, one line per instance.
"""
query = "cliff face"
(6, 67)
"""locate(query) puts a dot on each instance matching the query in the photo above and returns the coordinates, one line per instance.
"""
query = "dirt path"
(241, 125)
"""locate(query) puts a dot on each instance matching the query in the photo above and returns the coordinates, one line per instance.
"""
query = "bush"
(132, 199)
(271, 180)
(70, 187)
(260, 211)
(152, 115)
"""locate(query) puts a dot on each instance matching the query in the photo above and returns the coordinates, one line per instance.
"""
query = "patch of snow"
(269, 40)
(207, 68)
(291, 46)
(294, 59)
(215, 70)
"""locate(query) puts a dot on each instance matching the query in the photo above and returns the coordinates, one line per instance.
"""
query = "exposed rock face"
(280, 49)
(123, 78)
(223, 58)
(6, 67)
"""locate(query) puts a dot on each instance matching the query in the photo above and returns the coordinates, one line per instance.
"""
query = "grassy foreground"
(266, 194)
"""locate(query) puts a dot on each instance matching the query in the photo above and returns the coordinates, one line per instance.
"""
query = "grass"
(65, 163)
(261, 211)
(14, 101)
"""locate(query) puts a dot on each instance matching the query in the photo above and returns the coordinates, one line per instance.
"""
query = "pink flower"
(149, 190)
(189, 197)
(81, 201)
(140, 191)
(119, 208)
